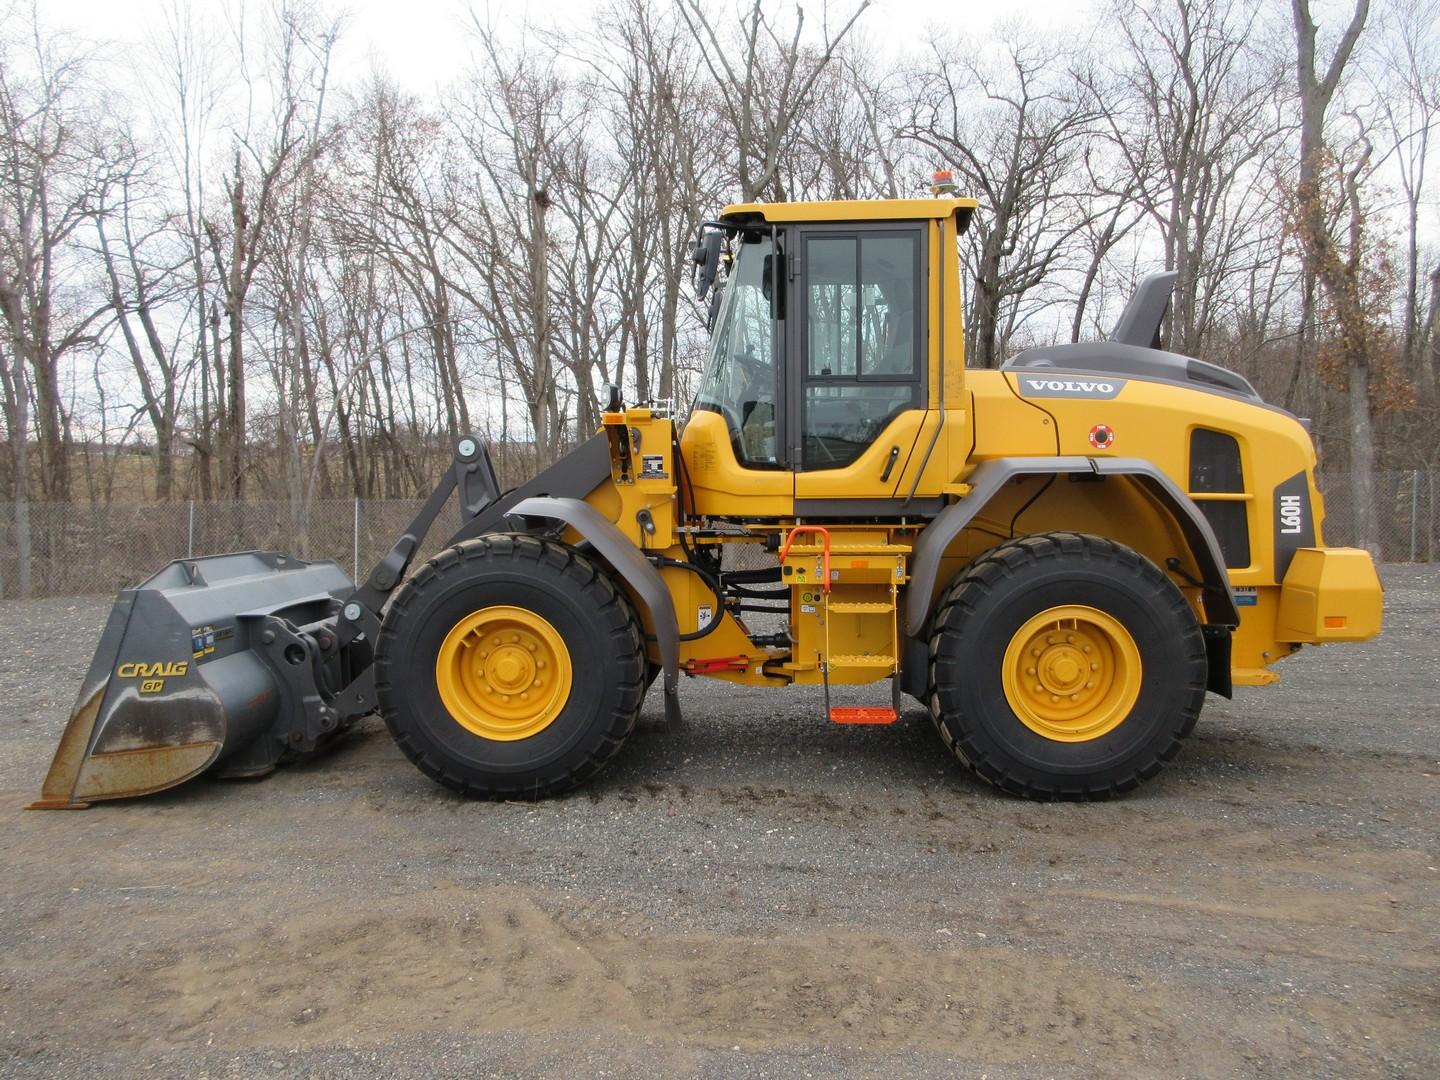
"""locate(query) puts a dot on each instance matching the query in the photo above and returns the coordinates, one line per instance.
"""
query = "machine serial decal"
(1294, 523)
(1245, 595)
(1102, 436)
(1069, 387)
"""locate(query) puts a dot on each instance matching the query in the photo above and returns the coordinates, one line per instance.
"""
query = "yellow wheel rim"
(503, 673)
(1072, 673)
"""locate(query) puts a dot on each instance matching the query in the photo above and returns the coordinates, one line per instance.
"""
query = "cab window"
(863, 338)
(741, 376)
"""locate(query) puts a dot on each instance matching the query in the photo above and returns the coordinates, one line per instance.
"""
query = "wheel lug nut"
(1094, 667)
(1054, 697)
(1090, 685)
(530, 645)
(1029, 671)
(1034, 652)
(1087, 649)
(1074, 697)
(1069, 637)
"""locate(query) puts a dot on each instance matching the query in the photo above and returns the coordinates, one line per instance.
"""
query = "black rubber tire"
(990, 600)
(592, 617)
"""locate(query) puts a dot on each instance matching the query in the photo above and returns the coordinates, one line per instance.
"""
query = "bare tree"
(1015, 132)
(142, 281)
(301, 56)
(847, 144)
(514, 129)
(184, 96)
(1338, 272)
(1406, 88)
(47, 191)
(673, 168)
(1201, 98)
(767, 77)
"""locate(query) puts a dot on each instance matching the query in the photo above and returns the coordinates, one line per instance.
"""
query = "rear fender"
(987, 480)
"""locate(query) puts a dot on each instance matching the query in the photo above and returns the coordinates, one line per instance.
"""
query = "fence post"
(1430, 516)
(356, 534)
(190, 532)
(1414, 510)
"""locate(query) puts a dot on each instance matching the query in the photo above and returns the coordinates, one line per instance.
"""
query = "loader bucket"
(188, 676)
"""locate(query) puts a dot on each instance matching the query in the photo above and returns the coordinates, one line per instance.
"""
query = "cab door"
(858, 346)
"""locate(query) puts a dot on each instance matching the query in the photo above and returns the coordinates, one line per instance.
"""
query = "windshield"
(740, 374)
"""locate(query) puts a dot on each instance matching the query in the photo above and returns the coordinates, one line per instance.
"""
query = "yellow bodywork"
(971, 417)
(1330, 594)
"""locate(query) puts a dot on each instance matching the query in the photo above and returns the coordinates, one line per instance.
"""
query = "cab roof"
(751, 214)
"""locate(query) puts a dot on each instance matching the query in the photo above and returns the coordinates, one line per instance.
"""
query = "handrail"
(825, 548)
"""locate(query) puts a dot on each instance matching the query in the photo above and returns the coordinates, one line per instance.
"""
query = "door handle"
(890, 463)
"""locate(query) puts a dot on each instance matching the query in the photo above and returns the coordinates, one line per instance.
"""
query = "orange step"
(862, 715)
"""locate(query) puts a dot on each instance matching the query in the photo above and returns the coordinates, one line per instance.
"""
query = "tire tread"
(612, 609)
(960, 600)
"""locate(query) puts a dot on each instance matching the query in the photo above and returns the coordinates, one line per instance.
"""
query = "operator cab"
(820, 354)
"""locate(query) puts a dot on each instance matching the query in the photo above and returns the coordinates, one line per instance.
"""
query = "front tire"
(510, 667)
(1065, 666)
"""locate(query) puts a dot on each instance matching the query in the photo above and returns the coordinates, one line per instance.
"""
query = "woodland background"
(233, 274)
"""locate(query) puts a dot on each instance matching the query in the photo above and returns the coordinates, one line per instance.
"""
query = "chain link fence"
(80, 548)
(1406, 508)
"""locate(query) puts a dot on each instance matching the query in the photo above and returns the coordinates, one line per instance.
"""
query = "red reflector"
(858, 715)
(708, 664)
(1334, 622)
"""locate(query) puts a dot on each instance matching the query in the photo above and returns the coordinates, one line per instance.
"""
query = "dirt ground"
(759, 894)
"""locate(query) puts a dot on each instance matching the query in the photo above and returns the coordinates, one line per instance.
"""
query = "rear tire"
(1065, 666)
(510, 667)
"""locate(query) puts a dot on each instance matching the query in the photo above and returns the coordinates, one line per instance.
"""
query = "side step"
(860, 714)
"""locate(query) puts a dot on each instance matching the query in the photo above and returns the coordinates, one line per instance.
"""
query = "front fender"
(627, 561)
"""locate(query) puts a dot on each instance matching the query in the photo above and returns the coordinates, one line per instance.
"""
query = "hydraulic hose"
(711, 581)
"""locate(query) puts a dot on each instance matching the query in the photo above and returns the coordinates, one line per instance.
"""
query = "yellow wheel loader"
(1057, 559)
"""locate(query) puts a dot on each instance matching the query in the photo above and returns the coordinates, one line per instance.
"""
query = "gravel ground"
(759, 894)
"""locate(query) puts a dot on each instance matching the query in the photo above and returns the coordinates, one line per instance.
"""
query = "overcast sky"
(423, 44)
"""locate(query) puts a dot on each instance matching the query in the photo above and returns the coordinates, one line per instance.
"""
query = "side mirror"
(714, 311)
(705, 255)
